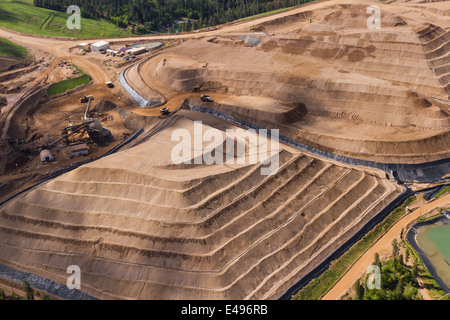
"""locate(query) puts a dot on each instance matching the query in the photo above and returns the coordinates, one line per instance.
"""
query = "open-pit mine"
(363, 116)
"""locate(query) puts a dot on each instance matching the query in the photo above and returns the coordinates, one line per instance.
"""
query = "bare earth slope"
(140, 227)
(370, 94)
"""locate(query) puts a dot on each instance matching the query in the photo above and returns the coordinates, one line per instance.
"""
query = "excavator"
(86, 99)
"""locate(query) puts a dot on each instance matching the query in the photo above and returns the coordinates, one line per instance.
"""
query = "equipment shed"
(100, 46)
(84, 46)
(79, 150)
(46, 156)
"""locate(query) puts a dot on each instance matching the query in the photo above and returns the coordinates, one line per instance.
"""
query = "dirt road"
(360, 267)
(61, 46)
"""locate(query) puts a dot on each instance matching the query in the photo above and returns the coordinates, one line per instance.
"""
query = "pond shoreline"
(411, 237)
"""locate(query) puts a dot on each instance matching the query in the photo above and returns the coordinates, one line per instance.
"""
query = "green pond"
(435, 242)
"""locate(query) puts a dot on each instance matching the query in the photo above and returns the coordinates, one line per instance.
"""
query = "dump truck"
(164, 111)
(206, 98)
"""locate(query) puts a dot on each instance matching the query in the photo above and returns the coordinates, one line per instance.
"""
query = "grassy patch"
(442, 192)
(23, 17)
(319, 286)
(10, 49)
(63, 86)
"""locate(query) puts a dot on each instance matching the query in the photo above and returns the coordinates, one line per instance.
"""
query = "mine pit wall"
(388, 100)
(431, 172)
(377, 104)
(25, 106)
(411, 237)
(347, 147)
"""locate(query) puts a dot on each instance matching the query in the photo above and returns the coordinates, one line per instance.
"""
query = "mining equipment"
(205, 98)
(88, 129)
(86, 99)
(164, 111)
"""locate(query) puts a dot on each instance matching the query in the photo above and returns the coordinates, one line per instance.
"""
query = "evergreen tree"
(359, 290)
(156, 14)
(395, 249)
(28, 290)
(376, 260)
(415, 269)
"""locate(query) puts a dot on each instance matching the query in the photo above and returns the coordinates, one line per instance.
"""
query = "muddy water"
(435, 242)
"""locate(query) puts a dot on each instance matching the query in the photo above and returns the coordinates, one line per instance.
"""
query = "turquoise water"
(435, 242)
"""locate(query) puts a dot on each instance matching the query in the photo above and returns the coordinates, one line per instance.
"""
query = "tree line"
(145, 16)
(398, 279)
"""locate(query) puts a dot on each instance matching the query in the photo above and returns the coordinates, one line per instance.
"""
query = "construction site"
(87, 176)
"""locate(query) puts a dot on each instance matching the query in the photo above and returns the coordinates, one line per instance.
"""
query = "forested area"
(398, 278)
(145, 16)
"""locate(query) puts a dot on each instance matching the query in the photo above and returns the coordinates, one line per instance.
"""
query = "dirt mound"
(104, 106)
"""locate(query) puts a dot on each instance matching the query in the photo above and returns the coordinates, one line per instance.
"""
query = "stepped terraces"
(378, 82)
(140, 227)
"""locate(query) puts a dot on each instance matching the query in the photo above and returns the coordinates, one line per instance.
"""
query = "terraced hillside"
(140, 227)
(380, 83)
(436, 42)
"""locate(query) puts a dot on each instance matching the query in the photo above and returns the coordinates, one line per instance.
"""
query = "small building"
(136, 51)
(100, 46)
(84, 46)
(79, 150)
(112, 52)
(46, 156)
